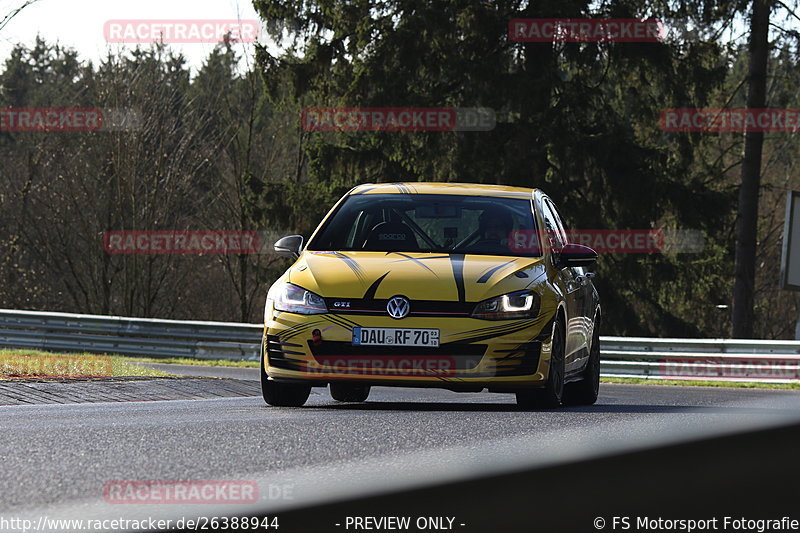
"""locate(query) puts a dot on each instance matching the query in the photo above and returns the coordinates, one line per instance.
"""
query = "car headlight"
(293, 299)
(520, 304)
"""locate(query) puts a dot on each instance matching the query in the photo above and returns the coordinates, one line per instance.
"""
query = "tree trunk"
(747, 219)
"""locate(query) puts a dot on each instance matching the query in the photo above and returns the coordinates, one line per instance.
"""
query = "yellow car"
(459, 286)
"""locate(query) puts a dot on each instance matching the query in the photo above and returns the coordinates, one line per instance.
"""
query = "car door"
(576, 295)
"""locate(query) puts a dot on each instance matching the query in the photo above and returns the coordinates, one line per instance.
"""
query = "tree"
(247, 149)
(204, 156)
(579, 120)
(747, 220)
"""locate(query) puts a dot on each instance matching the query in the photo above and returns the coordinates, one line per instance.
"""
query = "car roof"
(466, 189)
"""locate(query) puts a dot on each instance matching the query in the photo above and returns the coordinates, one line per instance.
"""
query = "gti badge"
(398, 307)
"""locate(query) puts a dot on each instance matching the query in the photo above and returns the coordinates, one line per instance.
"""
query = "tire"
(585, 391)
(550, 396)
(282, 394)
(349, 392)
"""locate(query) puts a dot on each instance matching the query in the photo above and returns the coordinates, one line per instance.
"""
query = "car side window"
(559, 224)
(355, 229)
(555, 236)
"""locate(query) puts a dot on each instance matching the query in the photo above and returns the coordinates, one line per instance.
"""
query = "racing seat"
(391, 237)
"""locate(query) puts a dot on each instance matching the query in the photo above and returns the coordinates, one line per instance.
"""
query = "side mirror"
(576, 255)
(289, 246)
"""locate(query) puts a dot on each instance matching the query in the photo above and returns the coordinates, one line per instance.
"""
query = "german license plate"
(395, 337)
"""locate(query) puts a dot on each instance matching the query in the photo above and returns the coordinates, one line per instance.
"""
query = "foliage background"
(222, 148)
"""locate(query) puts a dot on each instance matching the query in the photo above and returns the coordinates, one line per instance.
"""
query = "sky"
(79, 23)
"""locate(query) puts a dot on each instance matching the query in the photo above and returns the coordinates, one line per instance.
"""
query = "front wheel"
(550, 396)
(282, 394)
(349, 392)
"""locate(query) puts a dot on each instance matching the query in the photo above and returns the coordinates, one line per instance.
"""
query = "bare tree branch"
(14, 12)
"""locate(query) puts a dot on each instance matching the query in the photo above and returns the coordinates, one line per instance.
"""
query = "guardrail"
(706, 359)
(129, 336)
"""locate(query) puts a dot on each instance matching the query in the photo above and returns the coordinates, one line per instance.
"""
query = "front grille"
(355, 306)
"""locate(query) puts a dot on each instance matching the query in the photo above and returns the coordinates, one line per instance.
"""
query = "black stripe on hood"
(457, 261)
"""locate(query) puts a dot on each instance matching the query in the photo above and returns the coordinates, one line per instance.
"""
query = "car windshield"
(430, 223)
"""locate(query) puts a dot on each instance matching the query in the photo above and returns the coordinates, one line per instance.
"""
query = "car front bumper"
(473, 354)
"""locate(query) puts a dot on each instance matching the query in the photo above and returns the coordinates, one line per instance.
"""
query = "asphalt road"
(58, 458)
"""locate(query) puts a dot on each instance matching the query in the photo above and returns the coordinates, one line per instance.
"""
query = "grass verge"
(195, 362)
(699, 383)
(33, 364)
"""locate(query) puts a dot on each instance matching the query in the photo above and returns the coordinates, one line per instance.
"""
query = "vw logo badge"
(398, 307)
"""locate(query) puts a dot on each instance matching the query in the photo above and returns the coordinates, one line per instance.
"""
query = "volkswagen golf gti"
(459, 286)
